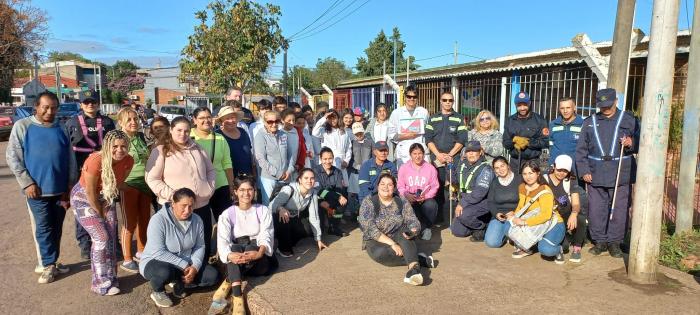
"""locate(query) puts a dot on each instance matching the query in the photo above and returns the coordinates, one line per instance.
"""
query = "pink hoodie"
(412, 178)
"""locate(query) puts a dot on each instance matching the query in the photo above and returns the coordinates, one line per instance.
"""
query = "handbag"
(525, 236)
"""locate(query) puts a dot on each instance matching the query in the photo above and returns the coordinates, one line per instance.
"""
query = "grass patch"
(680, 251)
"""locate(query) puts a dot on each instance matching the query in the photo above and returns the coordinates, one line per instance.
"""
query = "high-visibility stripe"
(575, 129)
(362, 181)
(36, 243)
(558, 128)
(551, 143)
(429, 127)
(456, 119)
(462, 128)
(436, 119)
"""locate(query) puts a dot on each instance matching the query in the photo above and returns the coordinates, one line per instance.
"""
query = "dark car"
(66, 111)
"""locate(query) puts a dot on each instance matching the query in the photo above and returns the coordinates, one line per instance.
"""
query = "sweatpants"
(599, 200)
(46, 216)
(159, 273)
(103, 234)
(426, 212)
(136, 212)
(205, 214)
(288, 234)
(220, 201)
(386, 256)
(260, 267)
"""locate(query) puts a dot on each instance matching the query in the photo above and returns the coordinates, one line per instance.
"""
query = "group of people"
(296, 172)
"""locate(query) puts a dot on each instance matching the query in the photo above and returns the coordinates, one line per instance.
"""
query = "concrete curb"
(257, 305)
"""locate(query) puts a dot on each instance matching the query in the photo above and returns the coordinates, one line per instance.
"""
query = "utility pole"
(691, 127)
(455, 52)
(620, 56)
(57, 76)
(284, 75)
(408, 63)
(658, 91)
(394, 67)
(99, 82)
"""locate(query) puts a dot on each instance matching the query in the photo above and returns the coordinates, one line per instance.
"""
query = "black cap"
(473, 146)
(605, 97)
(88, 96)
(381, 145)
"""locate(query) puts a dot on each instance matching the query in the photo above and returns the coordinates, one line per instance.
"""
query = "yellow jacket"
(545, 203)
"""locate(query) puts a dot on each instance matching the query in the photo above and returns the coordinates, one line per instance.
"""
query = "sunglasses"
(448, 100)
(272, 122)
(90, 102)
(411, 97)
(487, 118)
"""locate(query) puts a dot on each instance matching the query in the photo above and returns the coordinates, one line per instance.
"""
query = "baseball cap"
(473, 146)
(522, 97)
(358, 111)
(605, 97)
(563, 162)
(381, 145)
(88, 96)
(357, 128)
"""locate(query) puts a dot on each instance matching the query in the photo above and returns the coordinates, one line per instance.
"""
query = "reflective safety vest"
(609, 156)
(90, 142)
(464, 185)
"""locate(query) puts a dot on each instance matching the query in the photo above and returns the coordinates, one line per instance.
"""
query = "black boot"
(599, 248)
(478, 236)
(614, 250)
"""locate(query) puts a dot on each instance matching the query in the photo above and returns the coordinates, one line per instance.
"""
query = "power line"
(423, 59)
(471, 56)
(328, 20)
(336, 22)
(316, 20)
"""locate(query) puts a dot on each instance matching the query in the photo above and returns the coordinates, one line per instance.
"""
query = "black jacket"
(534, 127)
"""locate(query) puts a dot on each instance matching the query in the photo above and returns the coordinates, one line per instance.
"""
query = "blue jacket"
(369, 176)
(563, 138)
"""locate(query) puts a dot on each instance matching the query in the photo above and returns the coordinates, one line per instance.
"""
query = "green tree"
(67, 56)
(301, 74)
(116, 97)
(330, 71)
(382, 49)
(121, 69)
(233, 44)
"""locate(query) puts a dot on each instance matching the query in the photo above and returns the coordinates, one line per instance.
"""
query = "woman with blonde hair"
(136, 197)
(102, 177)
(486, 132)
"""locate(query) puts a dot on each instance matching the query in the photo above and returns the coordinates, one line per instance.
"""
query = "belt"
(608, 158)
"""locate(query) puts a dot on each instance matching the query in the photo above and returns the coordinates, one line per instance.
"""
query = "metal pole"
(286, 97)
(646, 222)
(394, 67)
(407, 69)
(99, 70)
(619, 58)
(57, 76)
(691, 127)
(455, 52)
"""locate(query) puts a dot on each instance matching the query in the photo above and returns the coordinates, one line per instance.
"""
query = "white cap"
(563, 162)
(357, 128)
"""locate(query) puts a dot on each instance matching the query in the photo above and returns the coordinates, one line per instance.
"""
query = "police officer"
(372, 168)
(598, 154)
(474, 176)
(525, 133)
(86, 131)
(564, 131)
(445, 135)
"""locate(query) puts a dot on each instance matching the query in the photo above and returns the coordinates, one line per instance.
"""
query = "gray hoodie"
(169, 242)
(273, 153)
(290, 198)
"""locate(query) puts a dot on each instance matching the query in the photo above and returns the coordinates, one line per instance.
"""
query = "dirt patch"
(664, 285)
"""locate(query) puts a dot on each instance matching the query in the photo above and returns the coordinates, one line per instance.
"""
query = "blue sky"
(152, 31)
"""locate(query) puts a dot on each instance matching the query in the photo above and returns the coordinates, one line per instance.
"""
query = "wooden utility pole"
(620, 56)
(658, 92)
(691, 127)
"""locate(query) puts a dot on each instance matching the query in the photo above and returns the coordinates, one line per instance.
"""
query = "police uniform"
(533, 127)
(474, 182)
(598, 154)
(86, 135)
(444, 131)
(370, 172)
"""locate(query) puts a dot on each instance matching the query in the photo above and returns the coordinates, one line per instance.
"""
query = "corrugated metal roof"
(495, 69)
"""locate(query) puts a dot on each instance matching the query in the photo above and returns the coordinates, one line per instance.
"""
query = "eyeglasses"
(448, 100)
(272, 122)
(485, 118)
(411, 97)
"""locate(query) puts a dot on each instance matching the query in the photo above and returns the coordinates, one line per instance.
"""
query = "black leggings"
(578, 236)
(426, 212)
(159, 273)
(205, 214)
(288, 234)
(220, 201)
(260, 267)
(386, 256)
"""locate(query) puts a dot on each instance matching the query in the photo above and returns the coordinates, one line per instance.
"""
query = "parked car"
(171, 111)
(6, 113)
(66, 111)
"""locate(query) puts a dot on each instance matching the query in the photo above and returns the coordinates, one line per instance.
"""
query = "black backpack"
(375, 203)
(276, 191)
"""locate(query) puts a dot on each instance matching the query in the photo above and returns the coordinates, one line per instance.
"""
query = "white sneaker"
(59, 267)
(47, 275)
(113, 291)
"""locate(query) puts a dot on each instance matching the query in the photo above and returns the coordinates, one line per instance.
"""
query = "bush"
(675, 133)
(680, 251)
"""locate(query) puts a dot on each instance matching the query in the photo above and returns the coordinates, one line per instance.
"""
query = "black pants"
(260, 267)
(288, 234)
(386, 256)
(205, 214)
(426, 212)
(159, 273)
(332, 221)
(443, 211)
(220, 201)
(516, 162)
(578, 236)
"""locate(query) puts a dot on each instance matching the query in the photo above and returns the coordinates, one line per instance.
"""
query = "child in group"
(332, 193)
(361, 152)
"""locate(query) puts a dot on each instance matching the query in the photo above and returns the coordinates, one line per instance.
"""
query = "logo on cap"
(521, 95)
(603, 98)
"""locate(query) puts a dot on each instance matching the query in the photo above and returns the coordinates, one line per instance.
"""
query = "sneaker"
(48, 274)
(559, 259)
(113, 291)
(129, 266)
(614, 250)
(413, 276)
(599, 248)
(161, 299)
(137, 257)
(237, 305)
(222, 292)
(59, 267)
(575, 255)
(179, 290)
(478, 236)
(426, 235)
(519, 253)
(285, 254)
(425, 260)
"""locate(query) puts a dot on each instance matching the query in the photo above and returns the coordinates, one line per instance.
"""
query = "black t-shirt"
(562, 197)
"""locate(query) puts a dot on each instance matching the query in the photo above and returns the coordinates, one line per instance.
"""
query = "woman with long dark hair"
(334, 136)
(381, 129)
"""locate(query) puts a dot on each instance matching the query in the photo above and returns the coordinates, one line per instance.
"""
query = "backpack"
(375, 203)
(232, 217)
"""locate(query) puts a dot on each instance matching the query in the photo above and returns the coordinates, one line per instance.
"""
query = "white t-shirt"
(402, 146)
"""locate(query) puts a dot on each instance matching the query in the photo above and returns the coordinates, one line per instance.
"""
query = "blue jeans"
(496, 233)
(549, 245)
(266, 187)
(46, 215)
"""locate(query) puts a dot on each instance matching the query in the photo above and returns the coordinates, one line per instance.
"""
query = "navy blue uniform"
(563, 137)
(533, 127)
(473, 191)
(598, 154)
(369, 176)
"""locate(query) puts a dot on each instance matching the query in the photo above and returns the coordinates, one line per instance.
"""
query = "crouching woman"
(389, 228)
(174, 251)
(245, 236)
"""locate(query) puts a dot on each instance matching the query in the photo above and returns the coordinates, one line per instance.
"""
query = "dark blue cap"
(88, 96)
(605, 97)
(381, 145)
(522, 97)
(473, 146)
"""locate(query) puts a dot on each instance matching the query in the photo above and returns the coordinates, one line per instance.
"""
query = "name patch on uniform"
(372, 172)
(453, 128)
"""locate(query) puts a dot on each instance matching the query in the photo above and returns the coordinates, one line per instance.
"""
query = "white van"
(171, 111)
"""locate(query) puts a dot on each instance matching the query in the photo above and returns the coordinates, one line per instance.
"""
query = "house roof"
(48, 81)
